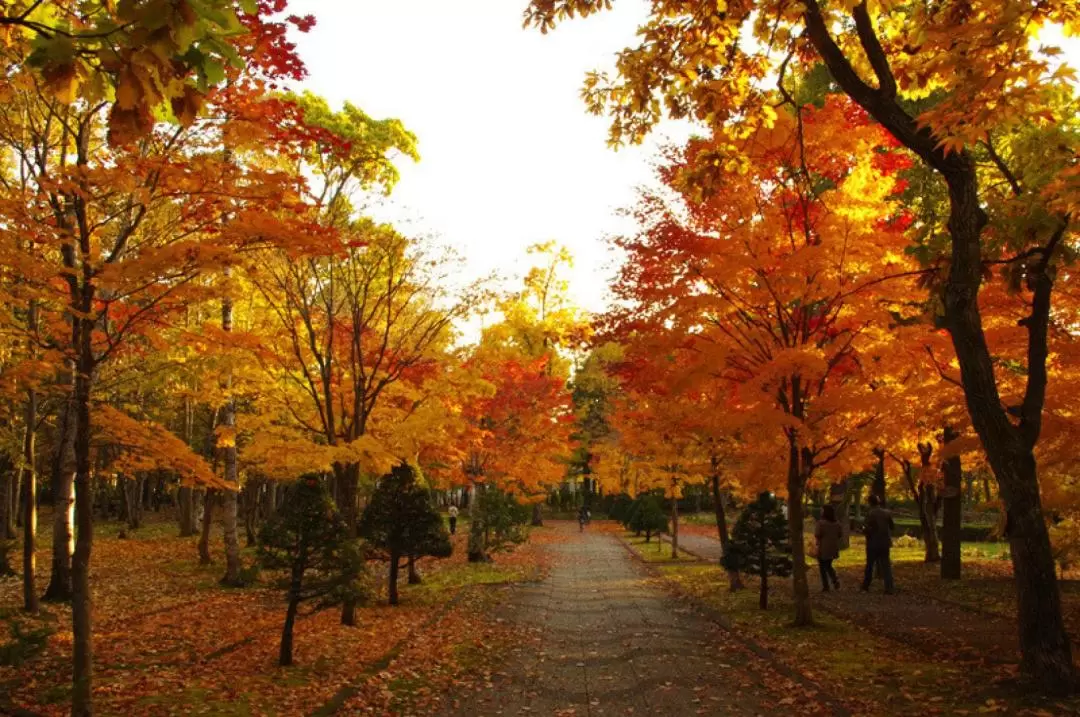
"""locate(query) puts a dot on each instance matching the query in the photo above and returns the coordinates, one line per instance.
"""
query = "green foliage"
(647, 516)
(498, 522)
(309, 538)
(759, 543)
(400, 520)
(620, 508)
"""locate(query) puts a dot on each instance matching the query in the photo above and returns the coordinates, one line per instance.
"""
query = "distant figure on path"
(878, 532)
(453, 519)
(828, 547)
(582, 518)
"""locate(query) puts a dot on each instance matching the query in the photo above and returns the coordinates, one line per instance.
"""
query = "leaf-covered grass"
(169, 639)
(872, 674)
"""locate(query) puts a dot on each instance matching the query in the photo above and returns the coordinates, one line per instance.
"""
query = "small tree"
(648, 517)
(310, 540)
(401, 521)
(759, 544)
(498, 521)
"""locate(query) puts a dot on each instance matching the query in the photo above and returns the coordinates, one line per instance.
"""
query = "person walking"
(582, 518)
(453, 519)
(878, 531)
(827, 534)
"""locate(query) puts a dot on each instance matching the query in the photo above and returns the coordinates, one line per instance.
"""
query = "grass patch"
(656, 550)
(872, 674)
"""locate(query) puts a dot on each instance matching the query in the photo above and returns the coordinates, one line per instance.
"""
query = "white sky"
(509, 156)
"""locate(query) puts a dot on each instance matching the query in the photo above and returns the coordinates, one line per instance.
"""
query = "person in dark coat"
(878, 531)
(828, 547)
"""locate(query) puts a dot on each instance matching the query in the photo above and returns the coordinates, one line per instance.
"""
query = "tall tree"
(987, 78)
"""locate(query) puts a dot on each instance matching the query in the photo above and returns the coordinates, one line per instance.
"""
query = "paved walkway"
(603, 639)
(937, 628)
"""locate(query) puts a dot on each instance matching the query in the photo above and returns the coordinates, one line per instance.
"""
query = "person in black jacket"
(878, 531)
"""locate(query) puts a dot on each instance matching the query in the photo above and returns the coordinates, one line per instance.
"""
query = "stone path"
(603, 639)
(940, 629)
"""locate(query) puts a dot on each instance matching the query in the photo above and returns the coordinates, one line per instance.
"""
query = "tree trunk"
(8, 483)
(674, 523)
(537, 515)
(800, 585)
(62, 481)
(928, 506)
(296, 583)
(953, 513)
(269, 501)
(186, 510)
(878, 487)
(251, 494)
(285, 652)
(391, 587)
(1046, 650)
(734, 578)
(476, 528)
(207, 523)
(763, 595)
(348, 478)
(228, 522)
(843, 516)
(132, 490)
(82, 648)
(30, 597)
(927, 501)
(414, 576)
(187, 493)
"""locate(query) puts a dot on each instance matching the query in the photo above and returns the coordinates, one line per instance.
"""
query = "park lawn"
(656, 550)
(169, 639)
(870, 673)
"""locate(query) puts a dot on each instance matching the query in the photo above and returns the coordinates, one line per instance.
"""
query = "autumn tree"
(946, 81)
(756, 290)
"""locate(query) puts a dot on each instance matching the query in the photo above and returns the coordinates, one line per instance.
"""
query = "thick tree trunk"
(82, 648)
(800, 585)
(186, 511)
(204, 529)
(62, 481)
(952, 520)
(1046, 650)
(391, 588)
(30, 597)
(132, 490)
(537, 515)
(878, 487)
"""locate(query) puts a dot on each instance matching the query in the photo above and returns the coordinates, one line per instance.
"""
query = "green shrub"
(648, 517)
